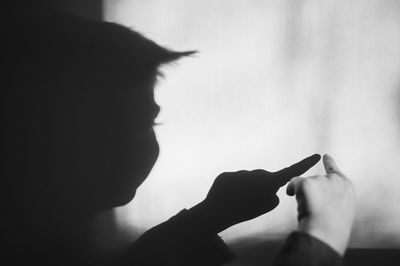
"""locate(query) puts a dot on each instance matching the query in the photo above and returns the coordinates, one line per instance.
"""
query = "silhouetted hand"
(236, 197)
(326, 205)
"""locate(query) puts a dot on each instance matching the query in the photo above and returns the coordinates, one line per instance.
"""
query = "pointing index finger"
(297, 169)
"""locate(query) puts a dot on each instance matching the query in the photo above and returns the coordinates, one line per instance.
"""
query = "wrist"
(202, 220)
(207, 219)
(335, 237)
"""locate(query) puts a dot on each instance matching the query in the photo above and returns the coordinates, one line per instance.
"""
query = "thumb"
(330, 166)
(294, 185)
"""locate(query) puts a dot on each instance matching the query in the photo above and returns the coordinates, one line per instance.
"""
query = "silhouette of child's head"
(79, 112)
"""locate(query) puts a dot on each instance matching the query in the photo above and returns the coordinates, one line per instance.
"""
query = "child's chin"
(124, 198)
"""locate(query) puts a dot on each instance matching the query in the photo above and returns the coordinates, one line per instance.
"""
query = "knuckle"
(222, 175)
(240, 172)
(259, 172)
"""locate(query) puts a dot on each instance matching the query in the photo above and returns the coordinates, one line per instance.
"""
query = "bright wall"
(274, 81)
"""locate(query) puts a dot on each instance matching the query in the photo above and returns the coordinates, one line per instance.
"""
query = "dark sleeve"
(301, 249)
(173, 243)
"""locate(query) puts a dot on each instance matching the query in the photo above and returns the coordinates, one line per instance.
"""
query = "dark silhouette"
(233, 198)
(77, 117)
(244, 195)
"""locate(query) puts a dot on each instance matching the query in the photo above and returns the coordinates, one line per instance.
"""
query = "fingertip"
(328, 160)
(330, 165)
(327, 157)
(289, 193)
(290, 190)
(315, 157)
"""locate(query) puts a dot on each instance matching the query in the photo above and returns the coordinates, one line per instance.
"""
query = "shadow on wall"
(251, 252)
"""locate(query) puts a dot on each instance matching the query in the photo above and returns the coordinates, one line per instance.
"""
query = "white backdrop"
(274, 81)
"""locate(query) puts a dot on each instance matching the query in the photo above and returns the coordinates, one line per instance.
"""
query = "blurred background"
(273, 82)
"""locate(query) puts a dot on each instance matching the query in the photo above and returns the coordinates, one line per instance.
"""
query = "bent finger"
(294, 185)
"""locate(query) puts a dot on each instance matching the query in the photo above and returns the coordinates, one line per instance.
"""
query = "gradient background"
(274, 81)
